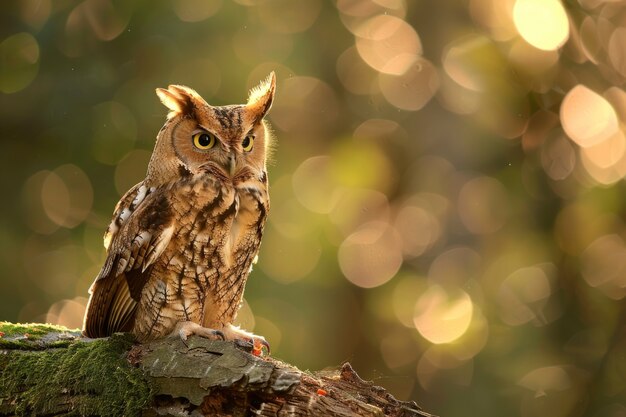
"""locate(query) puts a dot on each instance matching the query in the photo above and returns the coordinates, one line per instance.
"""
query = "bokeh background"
(447, 193)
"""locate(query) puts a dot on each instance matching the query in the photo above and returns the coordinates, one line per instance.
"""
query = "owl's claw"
(254, 344)
(187, 328)
(246, 339)
(259, 343)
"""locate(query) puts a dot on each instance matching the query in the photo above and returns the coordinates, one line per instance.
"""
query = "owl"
(182, 242)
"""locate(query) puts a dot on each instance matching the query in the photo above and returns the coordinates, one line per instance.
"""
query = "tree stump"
(52, 371)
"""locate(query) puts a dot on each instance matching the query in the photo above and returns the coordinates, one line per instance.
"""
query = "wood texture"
(199, 378)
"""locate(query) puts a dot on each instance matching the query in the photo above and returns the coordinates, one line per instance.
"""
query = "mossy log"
(52, 371)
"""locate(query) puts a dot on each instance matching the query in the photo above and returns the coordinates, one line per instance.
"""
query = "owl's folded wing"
(141, 229)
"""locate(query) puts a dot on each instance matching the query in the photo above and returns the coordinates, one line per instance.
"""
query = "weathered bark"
(59, 373)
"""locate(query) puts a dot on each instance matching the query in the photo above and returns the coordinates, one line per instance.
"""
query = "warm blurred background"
(447, 197)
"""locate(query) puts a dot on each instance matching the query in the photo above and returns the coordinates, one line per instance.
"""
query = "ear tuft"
(261, 97)
(179, 99)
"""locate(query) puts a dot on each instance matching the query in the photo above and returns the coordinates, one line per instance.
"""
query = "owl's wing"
(139, 232)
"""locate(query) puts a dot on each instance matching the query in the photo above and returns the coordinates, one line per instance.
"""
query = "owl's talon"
(259, 343)
(185, 329)
(246, 340)
(244, 344)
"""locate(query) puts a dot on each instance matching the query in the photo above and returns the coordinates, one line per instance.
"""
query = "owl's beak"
(231, 165)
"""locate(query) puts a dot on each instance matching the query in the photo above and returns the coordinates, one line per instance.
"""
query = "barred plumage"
(182, 242)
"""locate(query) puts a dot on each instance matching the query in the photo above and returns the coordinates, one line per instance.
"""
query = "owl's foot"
(246, 339)
(184, 329)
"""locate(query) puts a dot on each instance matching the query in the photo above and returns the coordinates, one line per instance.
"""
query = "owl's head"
(227, 142)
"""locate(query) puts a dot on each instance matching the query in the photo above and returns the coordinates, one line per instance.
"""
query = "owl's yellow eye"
(247, 143)
(203, 140)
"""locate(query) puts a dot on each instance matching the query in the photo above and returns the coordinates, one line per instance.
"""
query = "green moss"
(34, 330)
(33, 336)
(94, 376)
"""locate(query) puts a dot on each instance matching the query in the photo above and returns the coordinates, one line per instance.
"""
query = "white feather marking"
(124, 215)
(159, 246)
(142, 238)
(141, 194)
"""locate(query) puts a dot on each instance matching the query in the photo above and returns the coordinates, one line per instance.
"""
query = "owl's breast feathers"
(192, 240)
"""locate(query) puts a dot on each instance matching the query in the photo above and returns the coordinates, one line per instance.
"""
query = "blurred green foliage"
(447, 191)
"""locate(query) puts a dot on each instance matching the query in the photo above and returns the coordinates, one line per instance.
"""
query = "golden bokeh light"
(80, 196)
(290, 218)
(354, 13)
(35, 13)
(306, 106)
(604, 265)
(355, 75)
(371, 256)
(607, 153)
(472, 62)
(104, 19)
(313, 185)
(357, 206)
(616, 51)
(406, 291)
(558, 158)
(443, 315)
(413, 88)
(552, 391)
(419, 229)
(359, 163)
(617, 97)
(456, 267)
(611, 169)
(534, 62)
(456, 98)
(55, 198)
(542, 23)
(62, 197)
(542, 380)
(388, 44)
(523, 296)
(496, 16)
(587, 117)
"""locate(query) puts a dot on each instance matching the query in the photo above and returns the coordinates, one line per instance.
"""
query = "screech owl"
(182, 242)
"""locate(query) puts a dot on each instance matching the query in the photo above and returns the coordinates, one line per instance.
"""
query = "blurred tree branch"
(51, 371)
